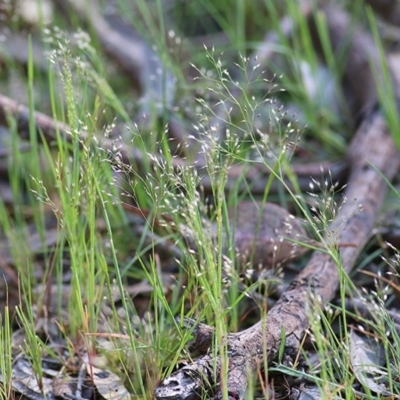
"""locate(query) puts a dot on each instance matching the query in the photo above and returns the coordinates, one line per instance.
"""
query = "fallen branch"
(372, 150)
(131, 52)
(256, 177)
(372, 147)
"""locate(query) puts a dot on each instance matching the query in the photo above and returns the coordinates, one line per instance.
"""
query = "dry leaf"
(108, 384)
(365, 362)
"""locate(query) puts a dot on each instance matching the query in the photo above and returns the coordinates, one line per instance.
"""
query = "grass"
(81, 189)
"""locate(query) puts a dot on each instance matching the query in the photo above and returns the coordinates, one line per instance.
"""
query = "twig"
(256, 177)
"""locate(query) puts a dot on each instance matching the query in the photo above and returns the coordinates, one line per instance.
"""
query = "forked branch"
(372, 150)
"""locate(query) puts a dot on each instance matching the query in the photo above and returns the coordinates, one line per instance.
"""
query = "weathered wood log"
(372, 150)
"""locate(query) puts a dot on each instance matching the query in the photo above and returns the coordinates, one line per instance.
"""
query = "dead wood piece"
(51, 128)
(256, 176)
(371, 150)
(203, 335)
(135, 57)
(358, 51)
(372, 147)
